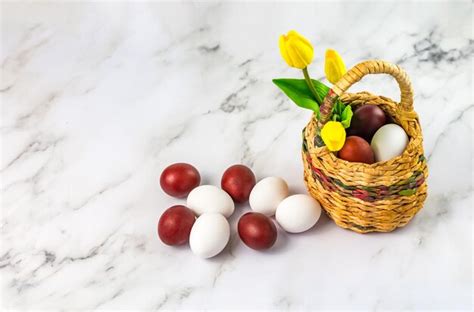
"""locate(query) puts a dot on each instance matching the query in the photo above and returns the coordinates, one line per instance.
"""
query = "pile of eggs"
(203, 221)
(369, 124)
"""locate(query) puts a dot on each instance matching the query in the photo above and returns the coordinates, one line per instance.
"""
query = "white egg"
(209, 235)
(388, 142)
(209, 198)
(298, 213)
(267, 194)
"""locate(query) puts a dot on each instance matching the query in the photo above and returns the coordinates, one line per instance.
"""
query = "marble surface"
(97, 98)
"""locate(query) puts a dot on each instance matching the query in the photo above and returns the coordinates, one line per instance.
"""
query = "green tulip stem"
(311, 86)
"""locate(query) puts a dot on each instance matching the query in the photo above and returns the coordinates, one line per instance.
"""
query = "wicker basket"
(368, 198)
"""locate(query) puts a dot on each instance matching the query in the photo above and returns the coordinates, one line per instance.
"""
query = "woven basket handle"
(360, 70)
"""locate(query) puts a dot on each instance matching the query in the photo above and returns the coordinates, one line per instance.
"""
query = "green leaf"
(336, 109)
(298, 91)
(321, 89)
(346, 116)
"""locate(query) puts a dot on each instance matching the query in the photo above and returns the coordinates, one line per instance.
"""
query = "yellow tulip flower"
(333, 135)
(334, 66)
(296, 50)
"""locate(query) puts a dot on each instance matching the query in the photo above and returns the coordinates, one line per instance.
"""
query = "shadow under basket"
(379, 197)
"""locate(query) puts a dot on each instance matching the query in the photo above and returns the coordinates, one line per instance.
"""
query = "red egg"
(238, 181)
(257, 231)
(175, 225)
(179, 179)
(356, 149)
(367, 119)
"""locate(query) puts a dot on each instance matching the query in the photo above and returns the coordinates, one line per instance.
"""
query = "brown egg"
(175, 225)
(356, 149)
(366, 121)
(257, 230)
(238, 181)
(179, 179)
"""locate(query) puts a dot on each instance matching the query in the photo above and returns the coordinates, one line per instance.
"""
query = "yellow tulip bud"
(333, 135)
(296, 50)
(334, 66)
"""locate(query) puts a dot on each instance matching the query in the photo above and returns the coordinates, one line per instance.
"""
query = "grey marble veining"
(97, 98)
